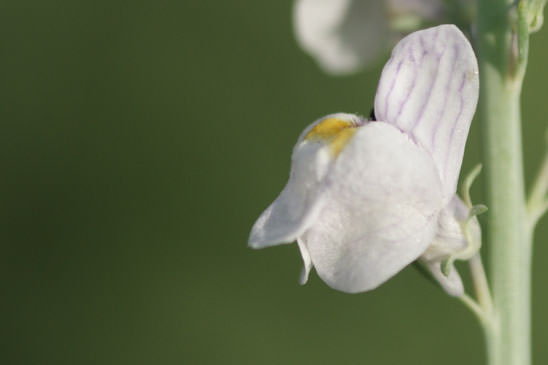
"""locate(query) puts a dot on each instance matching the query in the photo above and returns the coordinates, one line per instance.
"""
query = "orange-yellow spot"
(336, 132)
(341, 140)
(328, 128)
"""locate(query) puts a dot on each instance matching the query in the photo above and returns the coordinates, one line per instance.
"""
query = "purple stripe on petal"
(455, 124)
(409, 92)
(428, 97)
(387, 98)
(447, 91)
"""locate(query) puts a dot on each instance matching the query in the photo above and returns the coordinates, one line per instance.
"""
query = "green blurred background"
(141, 139)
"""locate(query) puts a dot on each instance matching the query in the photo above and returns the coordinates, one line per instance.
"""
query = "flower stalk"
(503, 34)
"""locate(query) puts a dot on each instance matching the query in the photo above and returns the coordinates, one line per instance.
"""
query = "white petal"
(449, 236)
(307, 262)
(449, 240)
(300, 201)
(342, 35)
(380, 210)
(452, 283)
(429, 89)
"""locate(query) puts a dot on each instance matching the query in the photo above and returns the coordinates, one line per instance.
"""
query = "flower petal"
(307, 262)
(380, 210)
(449, 236)
(300, 201)
(429, 89)
(342, 35)
(297, 205)
(450, 239)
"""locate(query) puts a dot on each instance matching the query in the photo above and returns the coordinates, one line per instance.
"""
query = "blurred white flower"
(344, 35)
(366, 198)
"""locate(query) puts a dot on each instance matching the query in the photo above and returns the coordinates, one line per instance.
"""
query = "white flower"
(344, 35)
(366, 198)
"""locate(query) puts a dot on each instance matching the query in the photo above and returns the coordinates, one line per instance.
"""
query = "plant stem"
(502, 60)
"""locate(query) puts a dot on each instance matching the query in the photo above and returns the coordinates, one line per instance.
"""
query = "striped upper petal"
(429, 89)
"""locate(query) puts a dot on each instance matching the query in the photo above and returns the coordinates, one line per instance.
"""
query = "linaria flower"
(344, 35)
(366, 198)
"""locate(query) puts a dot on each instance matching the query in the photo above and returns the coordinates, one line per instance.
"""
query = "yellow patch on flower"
(341, 139)
(336, 132)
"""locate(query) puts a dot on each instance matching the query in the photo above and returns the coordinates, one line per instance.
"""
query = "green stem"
(502, 60)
